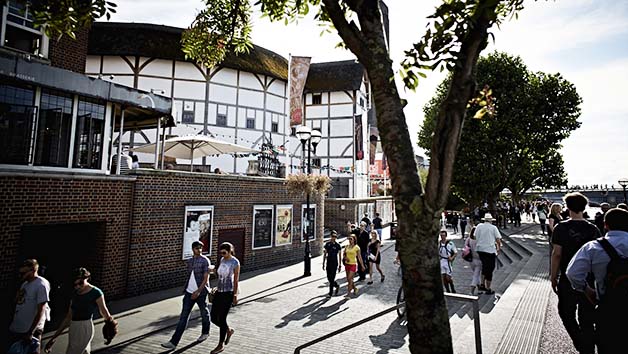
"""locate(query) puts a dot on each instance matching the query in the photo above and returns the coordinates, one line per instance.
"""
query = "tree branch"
(349, 32)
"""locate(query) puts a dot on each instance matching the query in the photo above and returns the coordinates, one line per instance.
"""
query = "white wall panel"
(241, 117)
(222, 94)
(231, 117)
(342, 110)
(248, 80)
(278, 87)
(247, 137)
(92, 64)
(189, 90)
(321, 148)
(186, 129)
(274, 103)
(341, 97)
(158, 67)
(211, 113)
(251, 98)
(185, 70)
(125, 80)
(199, 112)
(148, 83)
(316, 112)
(341, 127)
(226, 76)
(116, 65)
(338, 145)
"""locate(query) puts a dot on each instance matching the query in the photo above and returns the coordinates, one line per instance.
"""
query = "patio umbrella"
(195, 146)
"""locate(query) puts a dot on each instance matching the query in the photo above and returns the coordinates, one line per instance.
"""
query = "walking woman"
(554, 218)
(374, 256)
(351, 257)
(226, 294)
(476, 263)
(85, 301)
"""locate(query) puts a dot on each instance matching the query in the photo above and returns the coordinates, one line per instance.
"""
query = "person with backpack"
(447, 252)
(607, 259)
(567, 238)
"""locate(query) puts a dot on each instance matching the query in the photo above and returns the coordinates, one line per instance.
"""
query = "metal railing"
(459, 297)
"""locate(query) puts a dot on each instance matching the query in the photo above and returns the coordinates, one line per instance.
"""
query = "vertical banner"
(198, 225)
(359, 149)
(283, 225)
(373, 139)
(299, 67)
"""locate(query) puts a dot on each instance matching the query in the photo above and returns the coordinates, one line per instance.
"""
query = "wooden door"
(236, 238)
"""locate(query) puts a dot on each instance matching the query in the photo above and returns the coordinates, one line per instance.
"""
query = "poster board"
(283, 225)
(262, 226)
(312, 222)
(197, 226)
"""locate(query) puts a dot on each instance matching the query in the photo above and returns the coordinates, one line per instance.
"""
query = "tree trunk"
(418, 213)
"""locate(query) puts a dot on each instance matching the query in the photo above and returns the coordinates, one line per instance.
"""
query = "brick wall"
(340, 210)
(68, 53)
(158, 217)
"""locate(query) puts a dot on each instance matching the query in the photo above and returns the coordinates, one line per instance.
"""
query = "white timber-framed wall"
(203, 97)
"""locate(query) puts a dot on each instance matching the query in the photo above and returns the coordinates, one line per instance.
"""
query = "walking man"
(463, 223)
(567, 238)
(31, 309)
(447, 252)
(595, 257)
(331, 259)
(195, 292)
(488, 245)
(599, 218)
(377, 225)
(363, 243)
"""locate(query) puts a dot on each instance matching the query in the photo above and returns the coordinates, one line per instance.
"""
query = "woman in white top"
(226, 294)
(476, 263)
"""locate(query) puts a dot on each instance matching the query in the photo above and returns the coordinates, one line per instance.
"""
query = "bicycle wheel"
(401, 298)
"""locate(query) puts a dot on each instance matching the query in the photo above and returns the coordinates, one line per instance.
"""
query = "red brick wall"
(68, 53)
(158, 217)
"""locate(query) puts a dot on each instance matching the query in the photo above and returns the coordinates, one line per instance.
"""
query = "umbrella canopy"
(195, 146)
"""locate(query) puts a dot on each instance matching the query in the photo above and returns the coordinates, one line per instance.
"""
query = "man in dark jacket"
(363, 243)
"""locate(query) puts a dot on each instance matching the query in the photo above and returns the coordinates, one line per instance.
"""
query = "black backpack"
(616, 279)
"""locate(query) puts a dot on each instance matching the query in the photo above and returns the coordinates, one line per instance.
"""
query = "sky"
(586, 41)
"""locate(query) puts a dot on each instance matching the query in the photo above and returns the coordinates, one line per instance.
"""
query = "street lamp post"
(623, 182)
(311, 138)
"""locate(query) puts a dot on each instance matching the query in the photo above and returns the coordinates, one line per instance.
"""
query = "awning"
(140, 112)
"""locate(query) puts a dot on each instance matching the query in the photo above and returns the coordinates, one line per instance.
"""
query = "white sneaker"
(202, 338)
(168, 345)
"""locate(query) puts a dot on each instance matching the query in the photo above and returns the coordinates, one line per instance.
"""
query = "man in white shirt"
(488, 246)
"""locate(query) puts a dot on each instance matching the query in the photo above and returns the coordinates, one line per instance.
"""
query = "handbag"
(372, 257)
(467, 255)
(211, 294)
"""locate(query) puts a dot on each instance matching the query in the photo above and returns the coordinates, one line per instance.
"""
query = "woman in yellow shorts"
(350, 258)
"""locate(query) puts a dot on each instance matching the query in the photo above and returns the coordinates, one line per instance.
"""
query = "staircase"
(511, 319)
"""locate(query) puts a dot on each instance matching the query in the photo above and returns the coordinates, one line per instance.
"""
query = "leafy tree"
(457, 33)
(66, 17)
(517, 147)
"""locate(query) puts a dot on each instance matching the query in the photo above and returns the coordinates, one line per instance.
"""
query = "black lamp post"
(623, 182)
(311, 138)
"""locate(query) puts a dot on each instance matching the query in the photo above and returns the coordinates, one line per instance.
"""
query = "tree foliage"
(67, 17)
(517, 147)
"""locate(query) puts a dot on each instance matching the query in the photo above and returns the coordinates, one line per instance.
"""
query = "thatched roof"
(164, 42)
(149, 40)
(334, 76)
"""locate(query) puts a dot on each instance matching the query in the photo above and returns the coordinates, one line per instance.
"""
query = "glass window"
(317, 98)
(16, 123)
(188, 112)
(90, 126)
(53, 130)
(20, 32)
(274, 127)
(250, 123)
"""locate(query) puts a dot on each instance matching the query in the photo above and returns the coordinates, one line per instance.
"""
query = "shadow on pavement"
(325, 313)
(393, 338)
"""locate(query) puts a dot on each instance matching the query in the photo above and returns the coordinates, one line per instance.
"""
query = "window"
(250, 123)
(53, 129)
(16, 123)
(361, 101)
(19, 29)
(90, 126)
(316, 162)
(221, 120)
(188, 113)
(317, 98)
(293, 131)
(274, 127)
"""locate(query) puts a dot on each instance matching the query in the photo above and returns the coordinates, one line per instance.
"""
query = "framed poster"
(262, 226)
(310, 222)
(283, 225)
(197, 226)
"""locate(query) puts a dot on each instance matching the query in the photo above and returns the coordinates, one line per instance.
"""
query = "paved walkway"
(278, 310)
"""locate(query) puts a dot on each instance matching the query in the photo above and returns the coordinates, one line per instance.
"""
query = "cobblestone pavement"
(281, 318)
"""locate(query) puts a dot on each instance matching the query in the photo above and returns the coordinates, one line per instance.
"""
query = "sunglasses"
(224, 253)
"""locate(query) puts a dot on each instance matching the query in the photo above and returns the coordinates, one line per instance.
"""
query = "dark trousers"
(542, 222)
(188, 304)
(331, 277)
(610, 336)
(362, 273)
(488, 264)
(220, 309)
(570, 304)
(14, 337)
(463, 226)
